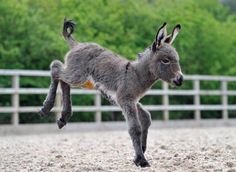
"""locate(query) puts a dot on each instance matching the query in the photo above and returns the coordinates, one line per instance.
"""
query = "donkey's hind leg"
(66, 101)
(50, 99)
(48, 104)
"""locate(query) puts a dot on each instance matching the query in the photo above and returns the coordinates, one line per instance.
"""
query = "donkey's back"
(90, 61)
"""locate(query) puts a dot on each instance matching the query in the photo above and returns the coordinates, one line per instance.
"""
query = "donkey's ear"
(170, 38)
(160, 37)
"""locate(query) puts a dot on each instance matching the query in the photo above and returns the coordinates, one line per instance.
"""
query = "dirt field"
(209, 149)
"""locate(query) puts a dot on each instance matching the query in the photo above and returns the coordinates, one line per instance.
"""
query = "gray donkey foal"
(122, 81)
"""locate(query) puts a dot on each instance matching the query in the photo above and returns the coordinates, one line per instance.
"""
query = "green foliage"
(31, 39)
(231, 4)
(31, 32)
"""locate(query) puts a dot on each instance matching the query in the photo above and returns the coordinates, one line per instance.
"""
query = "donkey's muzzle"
(179, 80)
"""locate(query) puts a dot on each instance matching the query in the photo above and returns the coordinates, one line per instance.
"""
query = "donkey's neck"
(142, 65)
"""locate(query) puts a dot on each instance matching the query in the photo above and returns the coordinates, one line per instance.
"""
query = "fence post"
(197, 114)
(224, 100)
(165, 101)
(97, 102)
(15, 99)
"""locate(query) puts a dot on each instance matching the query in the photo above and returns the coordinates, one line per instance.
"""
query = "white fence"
(15, 91)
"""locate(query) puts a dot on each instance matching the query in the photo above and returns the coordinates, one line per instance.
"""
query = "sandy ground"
(206, 149)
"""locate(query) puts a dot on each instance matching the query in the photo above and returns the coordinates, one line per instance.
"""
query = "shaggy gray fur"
(123, 82)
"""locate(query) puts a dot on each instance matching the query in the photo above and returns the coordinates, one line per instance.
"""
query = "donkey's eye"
(165, 61)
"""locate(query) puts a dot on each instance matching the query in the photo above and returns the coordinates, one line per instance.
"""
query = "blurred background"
(30, 34)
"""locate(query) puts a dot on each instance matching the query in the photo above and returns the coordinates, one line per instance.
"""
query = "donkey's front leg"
(145, 120)
(130, 111)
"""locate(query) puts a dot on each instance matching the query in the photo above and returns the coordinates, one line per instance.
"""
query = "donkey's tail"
(68, 29)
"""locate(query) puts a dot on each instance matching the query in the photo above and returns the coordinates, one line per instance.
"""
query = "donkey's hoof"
(60, 123)
(42, 113)
(142, 162)
(144, 148)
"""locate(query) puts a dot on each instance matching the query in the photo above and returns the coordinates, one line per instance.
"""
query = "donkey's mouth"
(177, 83)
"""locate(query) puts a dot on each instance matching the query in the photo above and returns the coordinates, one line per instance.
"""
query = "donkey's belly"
(110, 95)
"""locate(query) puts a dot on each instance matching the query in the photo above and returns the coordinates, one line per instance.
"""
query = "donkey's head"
(164, 58)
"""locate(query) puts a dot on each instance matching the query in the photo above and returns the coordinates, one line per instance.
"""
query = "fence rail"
(15, 91)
